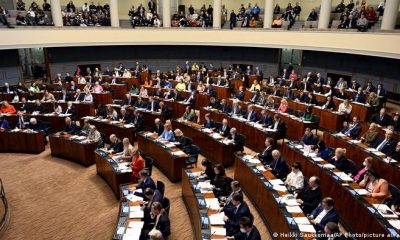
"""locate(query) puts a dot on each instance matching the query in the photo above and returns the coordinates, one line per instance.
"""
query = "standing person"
(233, 19)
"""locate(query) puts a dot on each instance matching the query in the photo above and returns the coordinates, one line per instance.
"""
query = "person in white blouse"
(88, 97)
(143, 92)
(127, 74)
(295, 179)
(82, 80)
(345, 107)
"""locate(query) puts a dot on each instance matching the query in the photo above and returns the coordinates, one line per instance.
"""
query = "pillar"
(166, 15)
(268, 13)
(324, 14)
(217, 14)
(390, 15)
(114, 13)
(56, 13)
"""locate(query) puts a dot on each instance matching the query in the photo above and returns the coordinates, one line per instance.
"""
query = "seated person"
(238, 140)
(223, 107)
(265, 119)
(138, 120)
(266, 156)
(167, 134)
(345, 107)
(323, 214)
(240, 94)
(226, 202)
(221, 182)
(4, 125)
(283, 107)
(213, 103)
(152, 104)
(116, 145)
(208, 172)
(278, 166)
(236, 109)
(224, 129)
(208, 122)
(396, 154)
(124, 116)
(359, 96)
(158, 225)
(70, 126)
(145, 181)
(127, 150)
(255, 86)
(308, 115)
(376, 186)
(329, 104)
(353, 129)
(359, 174)
(94, 135)
(279, 126)
(295, 179)
(190, 115)
(35, 125)
(181, 139)
(309, 138)
(7, 108)
(341, 162)
(240, 210)
(310, 196)
(150, 196)
(251, 114)
(332, 231)
(370, 136)
(277, 23)
(386, 144)
(137, 165)
(128, 101)
(247, 230)
(158, 127)
(381, 118)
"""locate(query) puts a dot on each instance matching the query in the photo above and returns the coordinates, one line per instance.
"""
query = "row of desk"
(22, 141)
(358, 151)
(355, 211)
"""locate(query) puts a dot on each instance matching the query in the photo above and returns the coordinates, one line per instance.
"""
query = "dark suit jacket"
(224, 108)
(383, 122)
(126, 102)
(155, 106)
(354, 132)
(126, 118)
(209, 124)
(62, 98)
(138, 121)
(146, 183)
(69, 111)
(39, 109)
(225, 132)
(183, 141)
(236, 111)
(253, 235)
(388, 148)
(279, 168)
(343, 164)
(265, 120)
(331, 105)
(311, 199)
(331, 216)
(359, 97)
(280, 129)
(239, 95)
(266, 155)
(117, 147)
(72, 128)
(232, 225)
(24, 107)
(253, 116)
(238, 141)
(38, 127)
(159, 130)
(140, 104)
(309, 140)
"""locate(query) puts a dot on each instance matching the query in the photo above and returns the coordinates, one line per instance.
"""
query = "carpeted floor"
(51, 198)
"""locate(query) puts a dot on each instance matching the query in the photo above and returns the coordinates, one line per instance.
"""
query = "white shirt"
(344, 109)
(127, 74)
(321, 215)
(295, 180)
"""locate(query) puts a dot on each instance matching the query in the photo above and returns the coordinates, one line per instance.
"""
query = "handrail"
(6, 217)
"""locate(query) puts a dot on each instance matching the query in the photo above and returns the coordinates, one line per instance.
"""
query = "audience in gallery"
(139, 17)
(359, 16)
(34, 16)
(87, 15)
(202, 18)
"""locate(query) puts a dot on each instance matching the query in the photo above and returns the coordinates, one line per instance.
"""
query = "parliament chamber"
(213, 119)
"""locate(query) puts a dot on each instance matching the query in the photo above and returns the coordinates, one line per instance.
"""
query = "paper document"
(218, 231)
(217, 219)
(301, 220)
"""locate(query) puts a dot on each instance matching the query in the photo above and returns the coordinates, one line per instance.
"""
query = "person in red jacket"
(137, 165)
(7, 108)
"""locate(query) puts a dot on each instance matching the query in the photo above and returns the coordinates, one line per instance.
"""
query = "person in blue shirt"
(167, 134)
(4, 125)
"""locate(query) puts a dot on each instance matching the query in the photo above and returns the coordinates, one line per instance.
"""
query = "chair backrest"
(149, 164)
(166, 204)
(194, 150)
(160, 187)
(394, 191)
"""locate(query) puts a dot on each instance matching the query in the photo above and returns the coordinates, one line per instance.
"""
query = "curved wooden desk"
(213, 149)
(68, 147)
(164, 158)
(112, 171)
(109, 127)
(24, 141)
(350, 206)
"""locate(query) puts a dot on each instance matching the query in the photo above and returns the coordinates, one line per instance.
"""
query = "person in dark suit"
(353, 129)
(157, 218)
(236, 109)
(63, 96)
(221, 182)
(124, 116)
(278, 166)
(395, 122)
(164, 110)
(116, 145)
(247, 230)
(275, 92)
(341, 94)
(240, 94)
(323, 214)
(21, 120)
(223, 107)
(227, 201)
(381, 94)
(158, 127)
(232, 20)
(255, 97)
(138, 121)
(152, 104)
(140, 103)
(78, 96)
(285, 74)
(35, 125)
(150, 197)
(183, 141)
(70, 109)
(208, 123)
(289, 94)
(38, 107)
(238, 140)
(265, 119)
(4, 124)
(191, 100)
(354, 85)
(386, 144)
(213, 103)
(24, 106)
(145, 181)
(70, 126)
(381, 118)
(224, 129)
(369, 88)
(311, 195)
(250, 115)
(210, 91)
(359, 96)
(396, 153)
(309, 138)
(305, 86)
(239, 211)
(329, 104)
(279, 126)
(332, 232)
(341, 162)
(266, 155)
(128, 101)
(302, 97)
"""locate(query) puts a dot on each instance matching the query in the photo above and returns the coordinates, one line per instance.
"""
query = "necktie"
(381, 145)
(21, 123)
